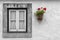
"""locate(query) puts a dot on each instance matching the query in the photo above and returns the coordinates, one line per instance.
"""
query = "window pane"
(21, 25)
(12, 24)
(21, 15)
(12, 14)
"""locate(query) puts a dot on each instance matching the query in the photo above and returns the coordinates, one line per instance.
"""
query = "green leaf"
(39, 12)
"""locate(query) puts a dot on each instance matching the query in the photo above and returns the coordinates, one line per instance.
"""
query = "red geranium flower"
(44, 9)
(38, 9)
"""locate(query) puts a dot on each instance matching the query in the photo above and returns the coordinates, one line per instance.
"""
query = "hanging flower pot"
(40, 12)
(40, 17)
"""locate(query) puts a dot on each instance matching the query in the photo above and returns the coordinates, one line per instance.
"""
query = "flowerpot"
(40, 17)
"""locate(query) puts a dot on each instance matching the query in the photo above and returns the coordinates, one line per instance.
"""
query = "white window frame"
(17, 20)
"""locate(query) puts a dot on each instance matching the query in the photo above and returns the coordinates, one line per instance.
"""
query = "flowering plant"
(40, 11)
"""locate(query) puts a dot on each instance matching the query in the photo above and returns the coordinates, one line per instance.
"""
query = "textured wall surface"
(29, 0)
(48, 29)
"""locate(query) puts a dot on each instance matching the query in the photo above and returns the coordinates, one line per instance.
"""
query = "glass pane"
(13, 24)
(12, 14)
(21, 25)
(21, 15)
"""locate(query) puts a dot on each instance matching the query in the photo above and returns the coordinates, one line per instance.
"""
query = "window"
(17, 19)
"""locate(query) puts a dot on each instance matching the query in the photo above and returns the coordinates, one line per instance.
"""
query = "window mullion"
(17, 20)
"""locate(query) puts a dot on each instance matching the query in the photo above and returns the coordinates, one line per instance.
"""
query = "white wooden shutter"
(22, 20)
(17, 20)
(12, 20)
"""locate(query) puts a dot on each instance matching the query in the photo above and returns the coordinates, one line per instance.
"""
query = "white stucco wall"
(48, 29)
